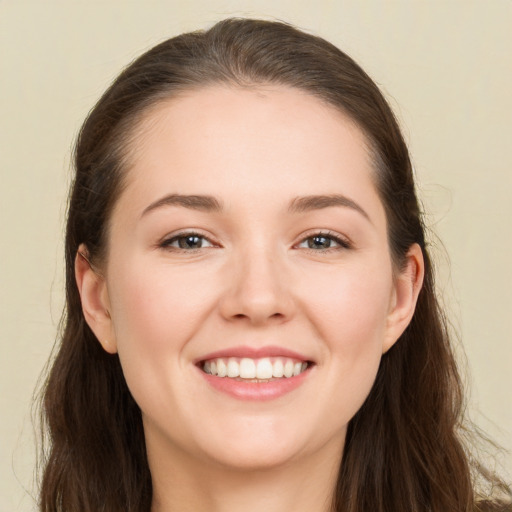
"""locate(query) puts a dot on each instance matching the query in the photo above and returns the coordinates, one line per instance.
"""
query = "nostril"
(255, 308)
(273, 316)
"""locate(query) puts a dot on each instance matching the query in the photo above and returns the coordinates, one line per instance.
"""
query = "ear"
(95, 301)
(407, 287)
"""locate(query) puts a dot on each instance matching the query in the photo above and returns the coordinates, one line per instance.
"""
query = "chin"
(267, 446)
(253, 458)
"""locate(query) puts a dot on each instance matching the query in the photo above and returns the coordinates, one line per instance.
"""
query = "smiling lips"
(254, 369)
(255, 374)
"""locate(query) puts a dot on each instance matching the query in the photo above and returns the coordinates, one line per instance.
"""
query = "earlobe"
(95, 301)
(405, 296)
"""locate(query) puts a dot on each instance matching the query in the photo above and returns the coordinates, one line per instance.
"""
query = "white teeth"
(222, 369)
(247, 368)
(262, 369)
(278, 369)
(288, 369)
(233, 368)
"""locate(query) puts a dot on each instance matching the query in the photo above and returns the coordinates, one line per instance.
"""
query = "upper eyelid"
(188, 232)
(338, 237)
(343, 239)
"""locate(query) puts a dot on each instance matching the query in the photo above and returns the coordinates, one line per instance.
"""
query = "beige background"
(446, 67)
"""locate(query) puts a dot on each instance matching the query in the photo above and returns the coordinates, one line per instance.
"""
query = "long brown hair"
(403, 449)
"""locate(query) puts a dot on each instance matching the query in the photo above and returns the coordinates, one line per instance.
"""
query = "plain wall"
(446, 67)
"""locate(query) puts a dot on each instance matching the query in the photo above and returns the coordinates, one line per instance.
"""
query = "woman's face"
(249, 238)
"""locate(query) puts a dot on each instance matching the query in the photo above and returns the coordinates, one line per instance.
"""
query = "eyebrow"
(193, 202)
(318, 202)
(297, 205)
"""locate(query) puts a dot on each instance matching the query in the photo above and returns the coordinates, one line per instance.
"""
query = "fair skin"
(280, 255)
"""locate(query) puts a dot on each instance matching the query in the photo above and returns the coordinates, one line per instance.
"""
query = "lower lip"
(256, 390)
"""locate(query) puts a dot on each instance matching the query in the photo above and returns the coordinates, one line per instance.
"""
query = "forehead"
(219, 139)
(266, 113)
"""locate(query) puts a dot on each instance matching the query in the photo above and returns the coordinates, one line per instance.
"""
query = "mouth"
(255, 374)
(260, 370)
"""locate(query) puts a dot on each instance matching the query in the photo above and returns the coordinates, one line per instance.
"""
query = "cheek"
(145, 298)
(351, 319)
(155, 312)
(351, 308)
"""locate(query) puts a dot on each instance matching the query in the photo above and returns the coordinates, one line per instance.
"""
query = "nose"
(258, 291)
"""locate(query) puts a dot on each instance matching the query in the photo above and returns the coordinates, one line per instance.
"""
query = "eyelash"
(342, 243)
(166, 244)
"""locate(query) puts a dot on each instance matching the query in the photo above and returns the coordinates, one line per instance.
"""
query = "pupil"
(319, 242)
(190, 242)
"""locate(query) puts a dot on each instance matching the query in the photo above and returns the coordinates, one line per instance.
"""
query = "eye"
(323, 242)
(187, 242)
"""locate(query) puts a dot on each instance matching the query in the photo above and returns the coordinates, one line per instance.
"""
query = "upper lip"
(254, 353)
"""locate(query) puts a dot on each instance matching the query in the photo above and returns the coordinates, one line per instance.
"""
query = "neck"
(302, 486)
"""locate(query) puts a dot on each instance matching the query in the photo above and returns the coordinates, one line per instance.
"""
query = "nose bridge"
(258, 289)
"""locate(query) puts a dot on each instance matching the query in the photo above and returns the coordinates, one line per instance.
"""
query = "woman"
(251, 317)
